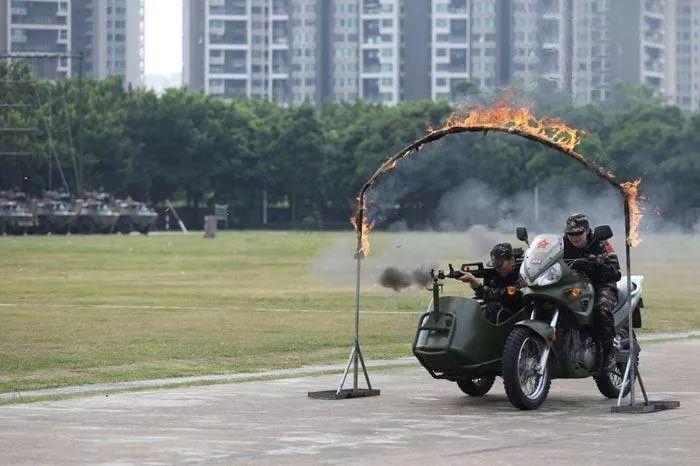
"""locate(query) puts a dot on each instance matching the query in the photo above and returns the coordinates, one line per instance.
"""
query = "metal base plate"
(346, 393)
(642, 408)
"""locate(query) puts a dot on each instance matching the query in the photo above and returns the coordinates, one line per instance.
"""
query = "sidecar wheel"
(609, 382)
(526, 389)
(477, 386)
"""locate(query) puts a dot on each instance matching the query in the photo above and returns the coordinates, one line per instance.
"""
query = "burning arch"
(521, 122)
(501, 118)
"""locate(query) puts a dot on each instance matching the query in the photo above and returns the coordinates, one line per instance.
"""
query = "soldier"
(603, 269)
(499, 291)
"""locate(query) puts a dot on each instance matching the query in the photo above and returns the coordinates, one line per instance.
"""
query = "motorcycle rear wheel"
(477, 386)
(526, 389)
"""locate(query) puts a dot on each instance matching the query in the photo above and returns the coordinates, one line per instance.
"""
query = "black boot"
(608, 361)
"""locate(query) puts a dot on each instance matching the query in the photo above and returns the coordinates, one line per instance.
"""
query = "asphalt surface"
(416, 419)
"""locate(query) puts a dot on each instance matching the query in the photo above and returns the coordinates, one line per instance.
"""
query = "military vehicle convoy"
(59, 213)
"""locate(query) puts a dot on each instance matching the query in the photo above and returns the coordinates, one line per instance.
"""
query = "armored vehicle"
(94, 216)
(53, 216)
(134, 216)
(15, 218)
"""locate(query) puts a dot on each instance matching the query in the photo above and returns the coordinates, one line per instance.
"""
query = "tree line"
(310, 161)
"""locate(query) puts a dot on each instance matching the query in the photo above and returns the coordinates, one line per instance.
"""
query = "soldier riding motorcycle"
(552, 336)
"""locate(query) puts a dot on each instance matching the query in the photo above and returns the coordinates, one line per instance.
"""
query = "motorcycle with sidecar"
(551, 336)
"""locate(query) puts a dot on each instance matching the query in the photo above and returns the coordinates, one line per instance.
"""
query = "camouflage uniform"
(603, 273)
(500, 305)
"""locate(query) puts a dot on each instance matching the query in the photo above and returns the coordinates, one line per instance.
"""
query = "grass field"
(85, 309)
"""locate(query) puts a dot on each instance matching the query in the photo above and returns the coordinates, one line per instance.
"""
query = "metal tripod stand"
(633, 350)
(355, 359)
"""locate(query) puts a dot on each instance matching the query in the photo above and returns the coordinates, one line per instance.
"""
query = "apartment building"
(523, 33)
(38, 27)
(388, 51)
(340, 77)
(687, 54)
(110, 34)
(251, 48)
(380, 42)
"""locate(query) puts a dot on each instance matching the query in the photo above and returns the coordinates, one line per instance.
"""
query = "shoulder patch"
(608, 248)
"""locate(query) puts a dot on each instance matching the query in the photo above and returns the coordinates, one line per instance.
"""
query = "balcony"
(280, 8)
(657, 66)
(229, 38)
(654, 37)
(654, 6)
(39, 20)
(227, 11)
(452, 67)
(378, 39)
(230, 8)
(457, 7)
(216, 86)
(376, 7)
(38, 48)
(217, 59)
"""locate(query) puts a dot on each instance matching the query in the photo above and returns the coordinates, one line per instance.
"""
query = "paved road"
(416, 419)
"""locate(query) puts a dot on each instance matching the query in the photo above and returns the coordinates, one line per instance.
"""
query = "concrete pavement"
(416, 419)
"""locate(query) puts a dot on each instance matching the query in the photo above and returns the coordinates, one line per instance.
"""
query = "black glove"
(581, 265)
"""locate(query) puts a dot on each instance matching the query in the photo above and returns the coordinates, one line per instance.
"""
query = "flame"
(522, 122)
(364, 246)
(631, 191)
(501, 116)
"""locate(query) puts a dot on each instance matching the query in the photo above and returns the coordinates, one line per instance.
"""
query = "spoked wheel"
(477, 386)
(525, 387)
(609, 378)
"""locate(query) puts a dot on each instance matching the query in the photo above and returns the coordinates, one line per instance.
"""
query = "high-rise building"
(450, 52)
(393, 50)
(641, 39)
(193, 46)
(243, 48)
(622, 41)
(38, 27)
(341, 60)
(524, 69)
(466, 47)
(591, 57)
(687, 54)
(110, 34)
(380, 51)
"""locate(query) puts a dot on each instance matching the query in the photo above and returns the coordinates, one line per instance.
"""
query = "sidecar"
(459, 342)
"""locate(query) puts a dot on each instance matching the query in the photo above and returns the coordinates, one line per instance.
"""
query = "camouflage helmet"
(576, 224)
(499, 254)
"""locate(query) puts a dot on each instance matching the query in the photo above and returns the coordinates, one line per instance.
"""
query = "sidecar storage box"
(461, 342)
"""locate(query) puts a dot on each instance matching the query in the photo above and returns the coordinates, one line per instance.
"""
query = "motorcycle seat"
(622, 293)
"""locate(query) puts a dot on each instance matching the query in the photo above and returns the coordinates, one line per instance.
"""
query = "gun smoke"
(397, 279)
(481, 212)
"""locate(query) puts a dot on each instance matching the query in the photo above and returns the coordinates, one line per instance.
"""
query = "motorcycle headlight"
(551, 275)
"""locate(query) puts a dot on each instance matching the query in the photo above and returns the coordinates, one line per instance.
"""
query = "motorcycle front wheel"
(525, 387)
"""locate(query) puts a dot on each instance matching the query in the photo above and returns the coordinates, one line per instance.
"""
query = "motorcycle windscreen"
(544, 251)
